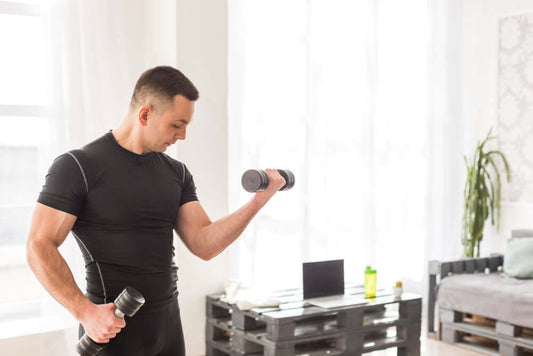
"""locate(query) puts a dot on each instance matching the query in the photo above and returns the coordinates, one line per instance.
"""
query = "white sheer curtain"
(96, 50)
(338, 92)
(448, 130)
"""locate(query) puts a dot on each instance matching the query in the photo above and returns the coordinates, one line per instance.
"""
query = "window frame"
(18, 9)
(12, 256)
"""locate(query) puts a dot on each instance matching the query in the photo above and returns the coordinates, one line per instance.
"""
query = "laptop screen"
(321, 279)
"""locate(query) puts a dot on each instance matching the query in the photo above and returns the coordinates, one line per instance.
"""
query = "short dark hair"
(163, 82)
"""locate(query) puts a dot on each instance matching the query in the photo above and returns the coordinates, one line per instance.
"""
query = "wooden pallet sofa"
(479, 306)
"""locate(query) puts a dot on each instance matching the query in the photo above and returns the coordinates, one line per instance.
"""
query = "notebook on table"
(323, 285)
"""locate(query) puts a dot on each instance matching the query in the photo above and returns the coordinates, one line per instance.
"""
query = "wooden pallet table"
(298, 328)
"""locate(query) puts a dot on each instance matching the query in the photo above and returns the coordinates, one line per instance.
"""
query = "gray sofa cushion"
(490, 295)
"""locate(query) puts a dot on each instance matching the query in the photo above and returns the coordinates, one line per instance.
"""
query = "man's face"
(169, 125)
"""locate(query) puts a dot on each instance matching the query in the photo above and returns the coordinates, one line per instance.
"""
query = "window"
(336, 92)
(24, 137)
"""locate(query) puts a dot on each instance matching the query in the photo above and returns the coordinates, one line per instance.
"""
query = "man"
(121, 197)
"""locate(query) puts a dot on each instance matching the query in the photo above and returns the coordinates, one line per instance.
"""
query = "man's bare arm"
(207, 239)
(49, 229)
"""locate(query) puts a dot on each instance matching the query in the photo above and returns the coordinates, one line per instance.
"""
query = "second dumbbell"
(127, 303)
(256, 180)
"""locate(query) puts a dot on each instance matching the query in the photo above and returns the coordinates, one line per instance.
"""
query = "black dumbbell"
(127, 303)
(256, 180)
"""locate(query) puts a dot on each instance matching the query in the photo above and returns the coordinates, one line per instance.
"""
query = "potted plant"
(482, 195)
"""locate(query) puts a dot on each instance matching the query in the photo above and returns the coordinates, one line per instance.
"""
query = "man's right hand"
(275, 183)
(100, 322)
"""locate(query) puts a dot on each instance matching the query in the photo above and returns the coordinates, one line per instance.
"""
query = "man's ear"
(144, 114)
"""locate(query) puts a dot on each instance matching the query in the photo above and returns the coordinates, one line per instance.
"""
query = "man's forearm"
(54, 274)
(207, 239)
(223, 232)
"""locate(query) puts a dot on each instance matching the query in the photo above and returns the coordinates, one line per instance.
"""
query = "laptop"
(323, 284)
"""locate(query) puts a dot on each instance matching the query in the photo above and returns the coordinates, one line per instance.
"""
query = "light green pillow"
(518, 260)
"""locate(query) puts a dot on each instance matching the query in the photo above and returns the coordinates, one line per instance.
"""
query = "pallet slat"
(510, 338)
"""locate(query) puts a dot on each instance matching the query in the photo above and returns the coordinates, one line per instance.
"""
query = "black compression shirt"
(126, 206)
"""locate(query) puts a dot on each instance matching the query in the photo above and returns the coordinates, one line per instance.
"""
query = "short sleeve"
(188, 189)
(65, 187)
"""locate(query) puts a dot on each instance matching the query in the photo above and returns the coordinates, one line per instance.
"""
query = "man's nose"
(181, 134)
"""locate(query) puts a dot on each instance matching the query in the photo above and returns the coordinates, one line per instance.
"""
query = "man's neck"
(129, 138)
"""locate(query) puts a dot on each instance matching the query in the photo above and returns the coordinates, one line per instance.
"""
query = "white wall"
(202, 56)
(480, 70)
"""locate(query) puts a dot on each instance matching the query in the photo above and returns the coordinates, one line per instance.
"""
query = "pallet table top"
(293, 305)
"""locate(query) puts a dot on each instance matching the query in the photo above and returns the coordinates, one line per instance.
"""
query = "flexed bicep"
(190, 221)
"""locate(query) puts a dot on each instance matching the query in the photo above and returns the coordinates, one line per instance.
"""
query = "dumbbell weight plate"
(87, 347)
(254, 180)
(129, 301)
(289, 179)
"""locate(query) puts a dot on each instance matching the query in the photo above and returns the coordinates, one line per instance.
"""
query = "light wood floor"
(431, 347)
(439, 348)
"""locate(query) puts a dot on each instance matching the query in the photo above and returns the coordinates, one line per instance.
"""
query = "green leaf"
(504, 160)
(491, 194)
(482, 193)
(497, 198)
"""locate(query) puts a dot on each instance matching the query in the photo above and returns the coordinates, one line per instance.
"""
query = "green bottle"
(370, 282)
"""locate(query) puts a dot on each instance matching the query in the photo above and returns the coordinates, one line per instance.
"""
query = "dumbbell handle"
(119, 313)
